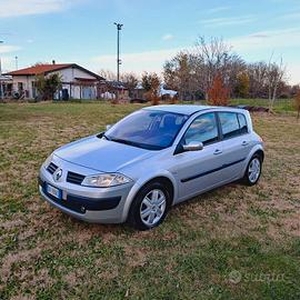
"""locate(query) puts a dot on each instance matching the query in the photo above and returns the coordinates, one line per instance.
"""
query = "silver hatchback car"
(151, 160)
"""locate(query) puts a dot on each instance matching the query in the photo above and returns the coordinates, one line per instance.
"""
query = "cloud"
(151, 61)
(290, 16)
(261, 45)
(217, 9)
(15, 8)
(218, 22)
(269, 39)
(167, 37)
(8, 48)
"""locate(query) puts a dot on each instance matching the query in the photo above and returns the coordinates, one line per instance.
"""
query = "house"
(77, 82)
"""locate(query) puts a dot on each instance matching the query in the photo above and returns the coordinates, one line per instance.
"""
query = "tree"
(218, 94)
(151, 84)
(48, 85)
(178, 75)
(257, 73)
(215, 58)
(242, 85)
(130, 81)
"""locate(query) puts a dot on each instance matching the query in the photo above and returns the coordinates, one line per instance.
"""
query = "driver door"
(197, 171)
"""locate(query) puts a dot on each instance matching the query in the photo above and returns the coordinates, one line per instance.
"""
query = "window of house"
(203, 129)
(20, 86)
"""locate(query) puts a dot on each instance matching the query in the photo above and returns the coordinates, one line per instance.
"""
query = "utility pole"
(119, 28)
(1, 87)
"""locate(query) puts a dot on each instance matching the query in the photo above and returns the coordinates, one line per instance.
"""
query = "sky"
(83, 32)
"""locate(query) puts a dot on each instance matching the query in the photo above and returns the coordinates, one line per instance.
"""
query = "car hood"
(102, 155)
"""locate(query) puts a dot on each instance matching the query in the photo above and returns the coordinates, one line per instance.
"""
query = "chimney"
(53, 62)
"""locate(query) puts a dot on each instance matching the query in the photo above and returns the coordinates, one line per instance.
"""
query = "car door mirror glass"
(193, 146)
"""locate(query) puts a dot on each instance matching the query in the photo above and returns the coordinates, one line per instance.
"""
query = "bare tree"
(107, 74)
(215, 58)
(257, 73)
(274, 77)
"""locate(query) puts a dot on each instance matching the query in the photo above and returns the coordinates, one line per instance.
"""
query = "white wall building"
(77, 82)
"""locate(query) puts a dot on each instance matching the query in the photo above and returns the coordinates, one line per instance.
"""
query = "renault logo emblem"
(57, 174)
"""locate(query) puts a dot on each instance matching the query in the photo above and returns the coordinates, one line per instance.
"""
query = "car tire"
(253, 170)
(150, 207)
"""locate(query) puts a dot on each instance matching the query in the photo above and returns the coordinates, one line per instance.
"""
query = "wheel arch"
(163, 179)
(166, 182)
(261, 153)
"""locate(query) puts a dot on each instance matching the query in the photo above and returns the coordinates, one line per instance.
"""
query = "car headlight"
(48, 160)
(105, 180)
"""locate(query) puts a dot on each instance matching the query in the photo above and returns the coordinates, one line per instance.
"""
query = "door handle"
(217, 152)
(245, 143)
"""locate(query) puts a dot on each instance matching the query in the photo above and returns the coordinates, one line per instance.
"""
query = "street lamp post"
(1, 87)
(119, 28)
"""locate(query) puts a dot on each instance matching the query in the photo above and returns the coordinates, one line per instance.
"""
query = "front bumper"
(95, 205)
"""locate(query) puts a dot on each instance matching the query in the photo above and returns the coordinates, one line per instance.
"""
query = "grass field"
(232, 243)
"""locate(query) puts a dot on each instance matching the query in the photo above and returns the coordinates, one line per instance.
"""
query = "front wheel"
(150, 207)
(253, 170)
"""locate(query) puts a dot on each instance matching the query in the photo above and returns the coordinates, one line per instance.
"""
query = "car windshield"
(148, 129)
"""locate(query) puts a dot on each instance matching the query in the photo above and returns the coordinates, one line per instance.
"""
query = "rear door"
(236, 143)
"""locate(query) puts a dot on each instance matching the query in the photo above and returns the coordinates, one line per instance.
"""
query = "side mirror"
(108, 126)
(193, 146)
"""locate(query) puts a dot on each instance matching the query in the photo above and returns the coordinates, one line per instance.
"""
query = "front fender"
(143, 181)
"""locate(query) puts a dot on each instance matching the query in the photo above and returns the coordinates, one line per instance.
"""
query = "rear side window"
(232, 124)
(243, 123)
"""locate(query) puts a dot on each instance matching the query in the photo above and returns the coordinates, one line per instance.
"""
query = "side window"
(203, 129)
(229, 124)
(243, 123)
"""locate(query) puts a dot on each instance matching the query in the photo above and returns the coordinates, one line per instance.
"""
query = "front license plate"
(53, 191)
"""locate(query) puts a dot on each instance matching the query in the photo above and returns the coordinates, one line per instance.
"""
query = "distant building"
(6, 84)
(110, 90)
(167, 93)
(77, 82)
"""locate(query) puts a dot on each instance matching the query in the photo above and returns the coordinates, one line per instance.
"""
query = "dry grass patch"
(47, 255)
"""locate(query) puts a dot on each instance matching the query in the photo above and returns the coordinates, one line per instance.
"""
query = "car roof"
(188, 109)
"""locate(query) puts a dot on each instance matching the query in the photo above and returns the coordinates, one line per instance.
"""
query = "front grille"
(75, 178)
(52, 168)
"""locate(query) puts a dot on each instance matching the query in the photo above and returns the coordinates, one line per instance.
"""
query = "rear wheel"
(150, 206)
(253, 170)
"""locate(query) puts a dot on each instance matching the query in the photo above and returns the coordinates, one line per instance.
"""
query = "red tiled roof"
(40, 69)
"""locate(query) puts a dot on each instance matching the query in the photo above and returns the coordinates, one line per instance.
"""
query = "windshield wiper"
(106, 137)
(126, 142)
